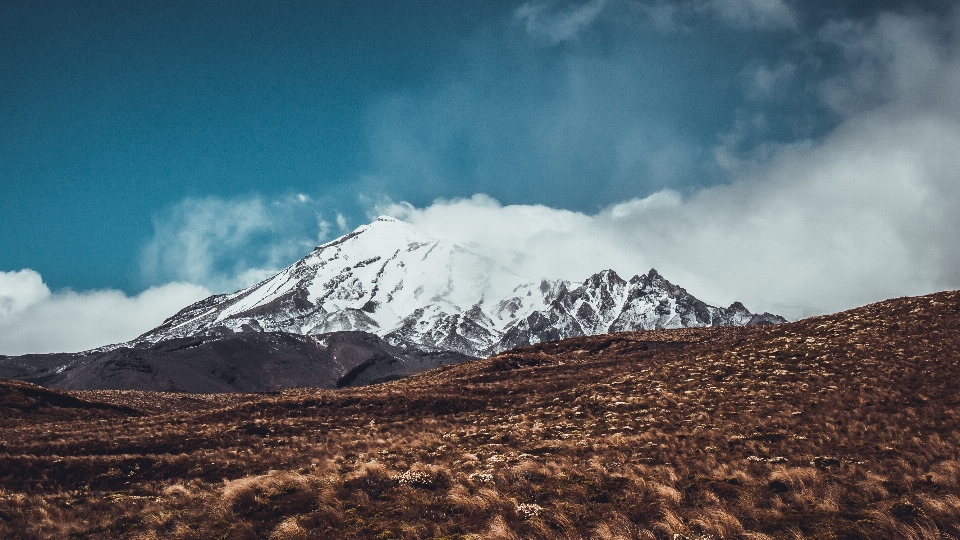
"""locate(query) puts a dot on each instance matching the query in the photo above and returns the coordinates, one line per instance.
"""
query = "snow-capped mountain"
(424, 293)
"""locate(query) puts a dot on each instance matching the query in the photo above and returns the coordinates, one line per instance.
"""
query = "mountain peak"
(388, 219)
(610, 275)
(418, 291)
(653, 279)
(738, 307)
(384, 223)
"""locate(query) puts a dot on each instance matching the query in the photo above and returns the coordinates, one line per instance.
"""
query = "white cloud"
(861, 217)
(226, 245)
(531, 240)
(187, 244)
(69, 321)
(19, 290)
(542, 20)
(871, 211)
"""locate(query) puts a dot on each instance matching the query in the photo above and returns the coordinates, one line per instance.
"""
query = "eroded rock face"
(392, 280)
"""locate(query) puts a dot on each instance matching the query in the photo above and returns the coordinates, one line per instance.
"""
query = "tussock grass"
(844, 426)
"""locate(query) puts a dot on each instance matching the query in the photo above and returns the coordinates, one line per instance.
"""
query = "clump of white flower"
(528, 511)
(758, 459)
(414, 478)
(481, 477)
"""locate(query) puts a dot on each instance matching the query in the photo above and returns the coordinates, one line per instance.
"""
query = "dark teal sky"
(116, 118)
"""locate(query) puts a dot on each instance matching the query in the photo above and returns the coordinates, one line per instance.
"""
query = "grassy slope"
(843, 426)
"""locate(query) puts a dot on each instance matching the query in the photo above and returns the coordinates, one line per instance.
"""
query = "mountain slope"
(244, 362)
(840, 426)
(419, 292)
(21, 401)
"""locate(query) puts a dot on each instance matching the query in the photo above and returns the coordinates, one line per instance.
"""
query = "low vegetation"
(843, 426)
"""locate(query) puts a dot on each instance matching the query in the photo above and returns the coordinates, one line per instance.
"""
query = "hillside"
(243, 362)
(23, 402)
(841, 426)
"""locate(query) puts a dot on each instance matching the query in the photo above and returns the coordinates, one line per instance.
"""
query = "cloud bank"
(870, 211)
(35, 320)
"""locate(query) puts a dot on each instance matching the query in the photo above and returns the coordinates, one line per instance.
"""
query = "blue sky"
(202, 145)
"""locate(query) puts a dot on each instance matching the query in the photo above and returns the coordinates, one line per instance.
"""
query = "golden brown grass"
(844, 426)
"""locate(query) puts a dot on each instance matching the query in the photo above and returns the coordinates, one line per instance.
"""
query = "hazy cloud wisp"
(542, 20)
(228, 244)
(759, 14)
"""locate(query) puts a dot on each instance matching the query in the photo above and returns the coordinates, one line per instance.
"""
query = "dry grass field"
(841, 426)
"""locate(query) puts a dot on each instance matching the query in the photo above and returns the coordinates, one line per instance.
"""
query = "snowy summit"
(419, 292)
